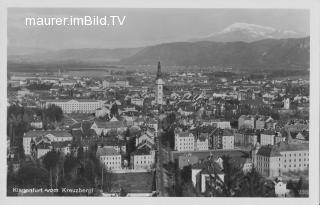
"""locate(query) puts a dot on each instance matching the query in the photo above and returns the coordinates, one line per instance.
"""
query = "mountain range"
(240, 46)
(248, 33)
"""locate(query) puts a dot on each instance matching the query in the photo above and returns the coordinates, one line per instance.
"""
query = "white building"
(109, 158)
(273, 161)
(143, 158)
(137, 101)
(38, 135)
(228, 142)
(223, 124)
(81, 106)
(159, 87)
(267, 138)
(286, 104)
(202, 142)
(246, 122)
(184, 141)
(280, 189)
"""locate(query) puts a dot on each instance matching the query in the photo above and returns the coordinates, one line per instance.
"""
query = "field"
(132, 182)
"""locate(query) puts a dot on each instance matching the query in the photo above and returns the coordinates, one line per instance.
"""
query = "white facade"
(111, 162)
(266, 139)
(280, 189)
(184, 141)
(297, 160)
(77, 106)
(143, 161)
(202, 144)
(228, 142)
(159, 91)
(27, 139)
(137, 101)
(223, 125)
(286, 103)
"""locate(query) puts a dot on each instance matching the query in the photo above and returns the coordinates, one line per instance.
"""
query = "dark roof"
(41, 133)
(292, 147)
(144, 150)
(269, 151)
(103, 151)
(109, 124)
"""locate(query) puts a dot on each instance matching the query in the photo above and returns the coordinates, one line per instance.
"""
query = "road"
(162, 178)
(159, 170)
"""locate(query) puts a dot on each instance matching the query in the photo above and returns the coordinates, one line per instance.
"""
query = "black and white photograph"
(159, 102)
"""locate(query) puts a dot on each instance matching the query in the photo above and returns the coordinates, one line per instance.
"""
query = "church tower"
(159, 86)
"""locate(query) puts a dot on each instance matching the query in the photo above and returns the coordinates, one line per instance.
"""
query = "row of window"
(300, 165)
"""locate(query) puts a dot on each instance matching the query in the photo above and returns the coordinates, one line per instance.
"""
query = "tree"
(114, 110)
(50, 161)
(54, 113)
(295, 186)
(80, 154)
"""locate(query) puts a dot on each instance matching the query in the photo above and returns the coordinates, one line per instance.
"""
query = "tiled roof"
(269, 151)
(41, 133)
(103, 151)
(185, 134)
(292, 147)
(109, 124)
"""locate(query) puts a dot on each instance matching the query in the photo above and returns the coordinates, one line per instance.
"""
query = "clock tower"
(159, 86)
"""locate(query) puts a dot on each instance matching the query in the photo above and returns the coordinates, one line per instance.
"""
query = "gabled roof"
(269, 151)
(41, 133)
(104, 151)
(143, 150)
(109, 124)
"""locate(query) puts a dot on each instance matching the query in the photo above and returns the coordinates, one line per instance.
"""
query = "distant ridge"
(292, 53)
(264, 54)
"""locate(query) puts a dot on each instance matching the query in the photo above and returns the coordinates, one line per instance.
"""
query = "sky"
(142, 26)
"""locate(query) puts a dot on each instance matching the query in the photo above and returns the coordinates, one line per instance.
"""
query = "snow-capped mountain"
(248, 32)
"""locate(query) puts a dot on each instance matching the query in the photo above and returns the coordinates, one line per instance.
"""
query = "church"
(159, 87)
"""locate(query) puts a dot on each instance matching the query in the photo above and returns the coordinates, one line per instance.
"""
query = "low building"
(143, 158)
(272, 161)
(267, 137)
(246, 122)
(245, 138)
(202, 142)
(50, 135)
(76, 106)
(109, 158)
(221, 139)
(184, 141)
(102, 128)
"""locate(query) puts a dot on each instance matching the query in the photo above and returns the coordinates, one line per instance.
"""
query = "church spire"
(159, 70)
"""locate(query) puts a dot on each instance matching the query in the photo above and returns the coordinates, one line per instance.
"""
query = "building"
(184, 141)
(245, 138)
(143, 158)
(137, 101)
(145, 137)
(109, 158)
(223, 124)
(286, 104)
(221, 139)
(273, 160)
(159, 86)
(280, 188)
(200, 176)
(38, 135)
(186, 160)
(202, 142)
(76, 106)
(267, 137)
(246, 122)
(261, 122)
(102, 128)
